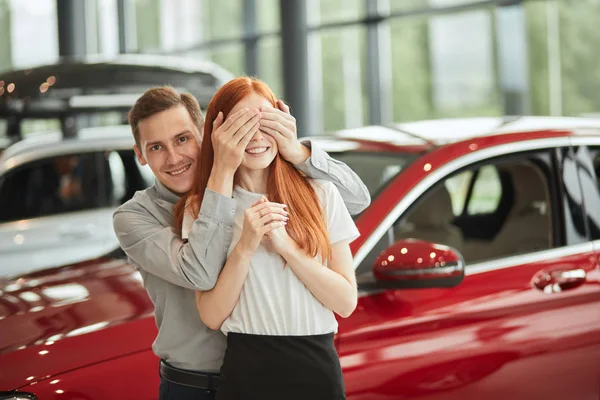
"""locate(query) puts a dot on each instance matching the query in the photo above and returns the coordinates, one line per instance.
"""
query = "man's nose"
(174, 156)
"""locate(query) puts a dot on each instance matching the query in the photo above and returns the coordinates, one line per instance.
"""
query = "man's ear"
(139, 155)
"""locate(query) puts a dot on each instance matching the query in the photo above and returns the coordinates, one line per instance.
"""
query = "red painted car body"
(520, 326)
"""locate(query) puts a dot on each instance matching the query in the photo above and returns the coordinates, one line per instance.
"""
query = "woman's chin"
(252, 163)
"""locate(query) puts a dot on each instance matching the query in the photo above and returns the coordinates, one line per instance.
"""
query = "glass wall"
(5, 36)
(579, 58)
(411, 72)
(28, 33)
(269, 63)
(148, 23)
(448, 58)
(343, 70)
(461, 60)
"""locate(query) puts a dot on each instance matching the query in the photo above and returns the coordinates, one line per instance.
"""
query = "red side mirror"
(417, 263)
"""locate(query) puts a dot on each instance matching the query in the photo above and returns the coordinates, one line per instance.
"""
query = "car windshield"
(376, 170)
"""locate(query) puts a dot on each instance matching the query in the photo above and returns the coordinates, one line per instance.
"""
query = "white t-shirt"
(274, 301)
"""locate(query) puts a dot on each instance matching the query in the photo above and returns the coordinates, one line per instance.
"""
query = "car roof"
(100, 82)
(111, 64)
(424, 135)
(445, 131)
(427, 134)
(52, 143)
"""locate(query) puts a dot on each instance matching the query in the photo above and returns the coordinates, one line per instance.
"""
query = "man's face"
(169, 145)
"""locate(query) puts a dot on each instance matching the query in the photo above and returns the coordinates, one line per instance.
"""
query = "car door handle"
(559, 280)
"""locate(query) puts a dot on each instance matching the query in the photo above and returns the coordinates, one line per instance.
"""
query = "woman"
(289, 267)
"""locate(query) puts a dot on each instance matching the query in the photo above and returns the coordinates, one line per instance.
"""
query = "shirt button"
(233, 211)
(225, 249)
(318, 163)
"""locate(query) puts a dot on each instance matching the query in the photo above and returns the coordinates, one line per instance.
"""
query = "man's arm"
(312, 160)
(320, 165)
(216, 305)
(160, 251)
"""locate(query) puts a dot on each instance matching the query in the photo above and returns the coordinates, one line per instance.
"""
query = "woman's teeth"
(257, 150)
(180, 171)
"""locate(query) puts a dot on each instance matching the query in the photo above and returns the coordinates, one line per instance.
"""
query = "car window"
(376, 170)
(588, 161)
(571, 178)
(117, 175)
(512, 213)
(458, 188)
(51, 186)
(3, 128)
(125, 176)
(487, 191)
(485, 195)
(68, 183)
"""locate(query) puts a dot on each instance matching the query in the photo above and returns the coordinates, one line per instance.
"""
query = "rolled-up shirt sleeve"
(321, 165)
(160, 250)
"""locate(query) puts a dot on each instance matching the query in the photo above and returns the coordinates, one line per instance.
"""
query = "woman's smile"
(257, 151)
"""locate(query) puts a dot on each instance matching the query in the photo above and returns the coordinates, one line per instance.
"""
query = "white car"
(57, 197)
(58, 189)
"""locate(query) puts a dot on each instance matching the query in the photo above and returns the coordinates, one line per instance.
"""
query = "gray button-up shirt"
(172, 270)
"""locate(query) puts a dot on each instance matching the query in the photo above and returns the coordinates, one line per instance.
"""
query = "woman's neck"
(253, 180)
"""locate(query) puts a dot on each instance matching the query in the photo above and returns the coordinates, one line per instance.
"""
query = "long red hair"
(286, 184)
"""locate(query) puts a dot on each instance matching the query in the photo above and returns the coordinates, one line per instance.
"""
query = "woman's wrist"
(290, 250)
(243, 251)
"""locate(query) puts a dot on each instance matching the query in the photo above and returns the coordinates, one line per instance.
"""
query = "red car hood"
(65, 318)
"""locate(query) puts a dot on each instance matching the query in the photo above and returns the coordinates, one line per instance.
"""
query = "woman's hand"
(280, 240)
(279, 124)
(262, 218)
(278, 237)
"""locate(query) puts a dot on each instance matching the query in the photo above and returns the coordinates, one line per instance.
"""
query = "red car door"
(523, 324)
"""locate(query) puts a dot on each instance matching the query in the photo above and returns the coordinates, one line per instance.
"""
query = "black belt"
(202, 380)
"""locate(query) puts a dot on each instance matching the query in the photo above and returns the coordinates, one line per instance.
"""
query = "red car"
(477, 266)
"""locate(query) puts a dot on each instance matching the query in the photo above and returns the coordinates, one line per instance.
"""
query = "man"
(166, 126)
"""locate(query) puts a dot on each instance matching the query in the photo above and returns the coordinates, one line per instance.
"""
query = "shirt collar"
(165, 193)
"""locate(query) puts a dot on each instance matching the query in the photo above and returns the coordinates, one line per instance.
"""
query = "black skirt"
(281, 367)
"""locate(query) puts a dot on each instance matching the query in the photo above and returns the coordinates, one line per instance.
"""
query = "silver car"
(58, 190)
(57, 197)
